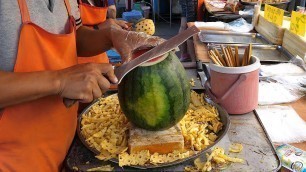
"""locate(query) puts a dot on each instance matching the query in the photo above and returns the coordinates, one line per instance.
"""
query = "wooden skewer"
(219, 56)
(234, 56)
(217, 59)
(211, 54)
(245, 57)
(229, 57)
(213, 59)
(217, 52)
(225, 56)
(233, 59)
(249, 54)
(237, 56)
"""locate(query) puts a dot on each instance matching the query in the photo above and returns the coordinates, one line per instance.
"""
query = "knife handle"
(69, 102)
(199, 65)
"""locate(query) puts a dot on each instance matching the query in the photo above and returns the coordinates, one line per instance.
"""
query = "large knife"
(157, 51)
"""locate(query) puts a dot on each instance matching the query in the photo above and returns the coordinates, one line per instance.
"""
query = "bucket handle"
(207, 86)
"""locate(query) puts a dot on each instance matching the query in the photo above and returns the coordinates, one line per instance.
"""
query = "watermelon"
(150, 62)
(156, 96)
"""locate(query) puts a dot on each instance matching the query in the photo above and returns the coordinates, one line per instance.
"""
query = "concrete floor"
(163, 29)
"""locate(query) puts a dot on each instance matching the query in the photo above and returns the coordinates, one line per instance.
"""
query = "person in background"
(94, 14)
(188, 15)
(40, 42)
(112, 11)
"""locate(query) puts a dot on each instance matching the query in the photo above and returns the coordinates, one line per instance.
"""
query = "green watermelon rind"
(155, 97)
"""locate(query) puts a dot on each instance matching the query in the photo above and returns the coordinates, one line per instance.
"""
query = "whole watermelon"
(155, 97)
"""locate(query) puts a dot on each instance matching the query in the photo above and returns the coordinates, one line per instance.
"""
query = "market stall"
(65, 106)
(201, 54)
(229, 10)
(277, 34)
(239, 113)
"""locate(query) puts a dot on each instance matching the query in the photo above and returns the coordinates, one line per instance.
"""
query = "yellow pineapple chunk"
(147, 26)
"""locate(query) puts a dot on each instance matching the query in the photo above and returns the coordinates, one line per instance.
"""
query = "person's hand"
(125, 42)
(85, 82)
(119, 24)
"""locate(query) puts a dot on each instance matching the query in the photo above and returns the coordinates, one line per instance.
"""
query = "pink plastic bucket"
(234, 88)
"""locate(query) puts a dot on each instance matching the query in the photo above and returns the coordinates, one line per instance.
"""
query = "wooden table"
(200, 50)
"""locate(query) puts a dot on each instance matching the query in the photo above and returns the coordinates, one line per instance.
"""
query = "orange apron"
(91, 16)
(36, 135)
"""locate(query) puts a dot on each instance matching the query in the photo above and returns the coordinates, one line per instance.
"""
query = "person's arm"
(21, 87)
(82, 82)
(92, 42)
(112, 12)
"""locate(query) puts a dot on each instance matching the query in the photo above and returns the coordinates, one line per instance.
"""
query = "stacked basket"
(271, 31)
(295, 44)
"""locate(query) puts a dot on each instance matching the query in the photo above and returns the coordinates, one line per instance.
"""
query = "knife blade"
(205, 69)
(157, 51)
(201, 73)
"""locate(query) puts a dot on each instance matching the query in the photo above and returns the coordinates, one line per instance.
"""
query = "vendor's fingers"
(87, 96)
(130, 26)
(154, 40)
(108, 71)
(122, 24)
(126, 57)
(96, 91)
(104, 84)
(111, 76)
(149, 41)
(176, 49)
(104, 67)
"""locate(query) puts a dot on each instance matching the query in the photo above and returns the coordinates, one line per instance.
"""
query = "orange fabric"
(36, 135)
(91, 16)
(200, 12)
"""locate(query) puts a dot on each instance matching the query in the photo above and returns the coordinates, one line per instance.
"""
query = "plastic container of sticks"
(234, 79)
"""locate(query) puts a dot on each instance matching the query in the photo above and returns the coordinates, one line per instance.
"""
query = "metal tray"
(224, 117)
(274, 4)
(225, 37)
(265, 53)
(258, 152)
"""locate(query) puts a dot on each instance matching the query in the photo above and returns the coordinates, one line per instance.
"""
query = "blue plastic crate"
(132, 16)
(113, 56)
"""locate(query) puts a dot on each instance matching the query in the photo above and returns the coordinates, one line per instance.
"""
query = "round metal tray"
(224, 117)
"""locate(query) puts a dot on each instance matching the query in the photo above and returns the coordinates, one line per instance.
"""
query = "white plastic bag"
(239, 25)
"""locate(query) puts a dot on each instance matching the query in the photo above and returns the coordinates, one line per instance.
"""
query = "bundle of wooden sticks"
(230, 56)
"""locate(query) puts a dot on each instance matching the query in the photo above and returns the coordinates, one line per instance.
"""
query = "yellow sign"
(298, 23)
(274, 15)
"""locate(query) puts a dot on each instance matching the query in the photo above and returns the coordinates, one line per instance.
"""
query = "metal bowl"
(224, 117)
